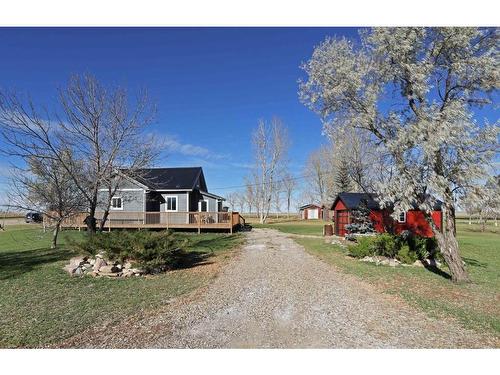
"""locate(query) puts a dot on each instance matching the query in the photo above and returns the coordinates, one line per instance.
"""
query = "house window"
(203, 206)
(116, 203)
(402, 217)
(171, 203)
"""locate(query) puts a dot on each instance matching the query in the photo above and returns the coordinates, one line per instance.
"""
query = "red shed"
(413, 220)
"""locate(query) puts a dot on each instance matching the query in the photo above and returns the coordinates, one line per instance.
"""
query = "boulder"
(78, 261)
(127, 265)
(137, 271)
(110, 274)
(92, 261)
(418, 263)
(70, 268)
(394, 262)
(109, 269)
(78, 272)
(99, 262)
(127, 272)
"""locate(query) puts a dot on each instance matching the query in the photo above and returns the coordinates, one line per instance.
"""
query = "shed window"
(171, 203)
(402, 217)
(116, 203)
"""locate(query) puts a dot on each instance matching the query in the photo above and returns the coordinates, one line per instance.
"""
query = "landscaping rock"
(127, 265)
(99, 262)
(70, 268)
(110, 274)
(78, 261)
(108, 269)
(418, 263)
(394, 262)
(78, 272)
(127, 272)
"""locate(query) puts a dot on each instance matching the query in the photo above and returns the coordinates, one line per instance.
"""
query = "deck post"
(231, 223)
(199, 222)
(167, 218)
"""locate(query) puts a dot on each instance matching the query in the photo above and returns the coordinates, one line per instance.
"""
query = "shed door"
(341, 219)
(313, 213)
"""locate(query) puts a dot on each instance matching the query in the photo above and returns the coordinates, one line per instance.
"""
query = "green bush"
(386, 245)
(407, 248)
(405, 255)
(150, 251)
(423, 247)
(363, 248)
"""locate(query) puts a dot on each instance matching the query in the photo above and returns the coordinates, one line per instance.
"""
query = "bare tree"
(277, 198)
(102, 130)
(270, 141)
(45, 186)
(249, 194)
(317, 170)
(232, 199)
(239, 201)
(289, 185)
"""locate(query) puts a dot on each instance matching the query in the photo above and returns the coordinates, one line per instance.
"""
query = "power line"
(274, 182)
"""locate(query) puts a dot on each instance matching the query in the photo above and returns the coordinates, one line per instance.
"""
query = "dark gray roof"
(171, 178)
(353, 200)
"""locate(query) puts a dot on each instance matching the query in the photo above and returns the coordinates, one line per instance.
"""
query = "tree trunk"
(91, 221)
(55, 234)
(448, 245)
(104, 219)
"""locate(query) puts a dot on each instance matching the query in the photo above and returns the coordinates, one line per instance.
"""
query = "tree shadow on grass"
(438, 271)
(183, 259)
(474, 263)
(16, 263)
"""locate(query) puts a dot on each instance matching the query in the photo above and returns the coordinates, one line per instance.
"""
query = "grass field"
(40, 304)
(475, 305)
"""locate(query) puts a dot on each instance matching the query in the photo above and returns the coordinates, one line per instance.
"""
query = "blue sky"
(211, 85)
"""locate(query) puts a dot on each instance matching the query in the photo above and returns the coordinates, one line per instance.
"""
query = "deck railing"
(128, 219)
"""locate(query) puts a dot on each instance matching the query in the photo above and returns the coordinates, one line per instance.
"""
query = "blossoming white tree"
(413, 90)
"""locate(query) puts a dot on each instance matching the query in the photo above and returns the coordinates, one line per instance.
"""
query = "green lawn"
(475, 305)
(307, 227)
(40, 304)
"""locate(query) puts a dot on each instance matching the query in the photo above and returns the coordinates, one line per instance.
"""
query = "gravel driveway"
(275, 295)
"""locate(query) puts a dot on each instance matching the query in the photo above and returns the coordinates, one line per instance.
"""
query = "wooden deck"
(162, 220)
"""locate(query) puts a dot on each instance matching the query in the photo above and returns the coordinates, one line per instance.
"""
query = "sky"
(211, 85)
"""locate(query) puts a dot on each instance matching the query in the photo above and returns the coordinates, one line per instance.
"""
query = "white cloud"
(173, 145)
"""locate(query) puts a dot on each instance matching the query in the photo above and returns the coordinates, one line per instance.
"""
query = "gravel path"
(275, 295)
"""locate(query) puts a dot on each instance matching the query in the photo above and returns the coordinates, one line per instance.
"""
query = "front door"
(341, 220)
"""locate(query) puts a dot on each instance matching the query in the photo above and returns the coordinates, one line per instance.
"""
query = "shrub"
(424, 247)
(151, 251)
(386, 245)
(405, 255)
(363, 248)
